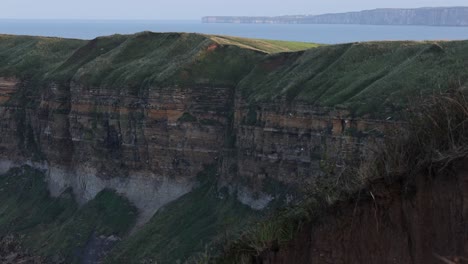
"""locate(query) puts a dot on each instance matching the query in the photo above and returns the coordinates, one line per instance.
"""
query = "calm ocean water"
(88, 29)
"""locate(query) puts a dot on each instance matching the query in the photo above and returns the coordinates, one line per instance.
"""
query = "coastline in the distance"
(427, 16)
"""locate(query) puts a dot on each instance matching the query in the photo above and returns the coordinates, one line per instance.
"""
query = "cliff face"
(143, 115)
(148, 145)
(439, 16)
(281, 150)
(423, 222)
(450, 16)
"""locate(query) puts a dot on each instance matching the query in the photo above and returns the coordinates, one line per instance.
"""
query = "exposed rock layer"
(151, 148)
(421, 222)
(143, 114)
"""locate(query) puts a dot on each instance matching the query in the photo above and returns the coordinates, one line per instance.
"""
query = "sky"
(193, 9)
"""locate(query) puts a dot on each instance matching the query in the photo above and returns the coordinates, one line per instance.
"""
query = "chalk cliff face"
(144, 114)
(437, 16)
(450, 16)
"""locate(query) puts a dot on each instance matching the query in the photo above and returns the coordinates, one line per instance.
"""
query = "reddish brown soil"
(212, 47)
(423, 222)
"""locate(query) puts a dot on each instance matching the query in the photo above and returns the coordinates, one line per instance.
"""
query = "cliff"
(142, 116)
(437, 16)
(388, 223)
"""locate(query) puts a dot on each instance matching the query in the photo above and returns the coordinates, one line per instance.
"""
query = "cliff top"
(367, 78)
(131, 60)
(372, 77)
(263, 45)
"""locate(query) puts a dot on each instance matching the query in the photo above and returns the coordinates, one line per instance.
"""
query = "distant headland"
(426, 16)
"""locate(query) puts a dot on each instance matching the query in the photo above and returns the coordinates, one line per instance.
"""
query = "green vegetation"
(184, 227)
(32, 57)
(137, 62)
(368, 78)
(264, 45)
(130, 62)
(57, 227)
(277, 230)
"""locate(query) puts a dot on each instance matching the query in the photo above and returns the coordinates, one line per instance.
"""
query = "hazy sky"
(193, 9)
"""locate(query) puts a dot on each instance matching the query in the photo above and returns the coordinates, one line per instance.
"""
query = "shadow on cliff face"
(413, 208)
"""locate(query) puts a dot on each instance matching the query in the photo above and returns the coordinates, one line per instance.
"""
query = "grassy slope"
(56, 226)
(27, 57)
(183, 228)
(150, 60)
(137, 61)
(367, 77)
(263, 45)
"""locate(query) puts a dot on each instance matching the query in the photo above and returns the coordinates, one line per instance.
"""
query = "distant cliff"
(437, 16)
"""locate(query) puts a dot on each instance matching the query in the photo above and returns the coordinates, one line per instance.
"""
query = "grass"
(371, 79)
(131, 63)
(32, 57)
(56, 227)
(134, 63)
(368, 78)
(263, 45)
(147, 60)
(272, 233)
(183, 229)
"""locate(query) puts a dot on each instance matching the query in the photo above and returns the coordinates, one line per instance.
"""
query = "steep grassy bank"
(368, 78)
(60, 231)
(187, 228)
(365, 77)
(32, 57)
(137, 60)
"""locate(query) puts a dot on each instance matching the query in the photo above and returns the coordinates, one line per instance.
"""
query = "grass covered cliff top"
(263, 45)
(141, 59)
(372, 77)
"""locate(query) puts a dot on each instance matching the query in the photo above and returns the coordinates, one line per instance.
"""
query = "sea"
(326, 34)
